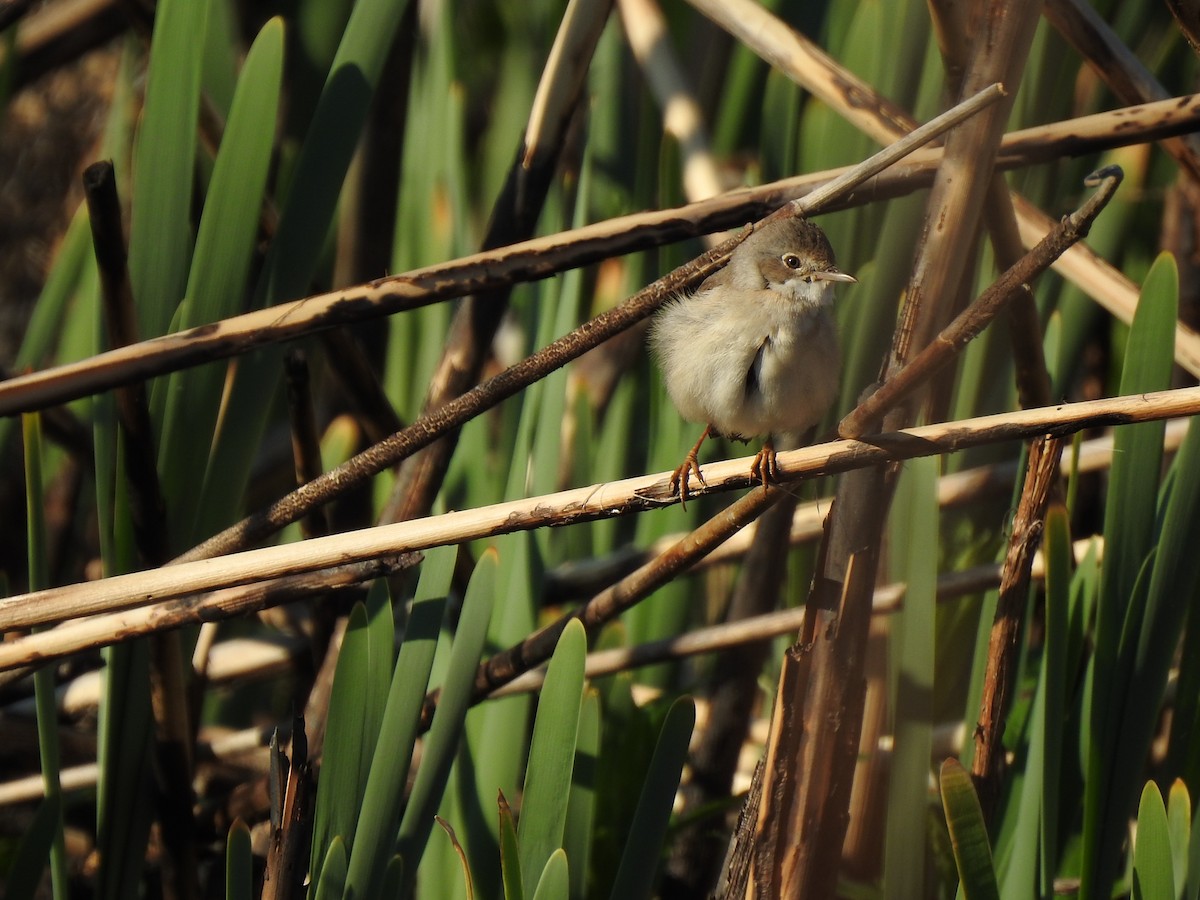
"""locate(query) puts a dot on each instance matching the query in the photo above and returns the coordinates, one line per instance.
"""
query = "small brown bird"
(754, 351)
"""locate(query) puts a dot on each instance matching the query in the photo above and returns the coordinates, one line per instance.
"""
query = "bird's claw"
(765, 467)
(681, 476)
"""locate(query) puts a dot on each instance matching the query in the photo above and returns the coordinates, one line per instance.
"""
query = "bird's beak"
(834, 276)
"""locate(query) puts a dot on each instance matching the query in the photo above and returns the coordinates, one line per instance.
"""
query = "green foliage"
(216, 284)
(271, 204)
(1153, 878)
(555, 879)
(47, 836)
(1127, 661)
(383, 794)
(29, 861)
(913, 676)
(551, 760)
(239, 863)
(640, 859)
(364, 672)
(510, 860)
(160, 233)
(444, 734)
(968, 833)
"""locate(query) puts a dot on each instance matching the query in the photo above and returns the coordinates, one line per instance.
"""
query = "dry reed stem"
(104, 630)
(239, 662)
(1004, 640)
(562, 77)
(232, 661)
(953, 490)
(1187, 17)
(543, 257)
(1119, 68)
(952, 26)
(241, 659)
(581, 504)
(801, 817)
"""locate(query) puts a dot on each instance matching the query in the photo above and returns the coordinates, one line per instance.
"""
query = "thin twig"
(1109, 287)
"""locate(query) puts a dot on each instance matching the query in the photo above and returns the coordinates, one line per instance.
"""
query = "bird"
(754, 351)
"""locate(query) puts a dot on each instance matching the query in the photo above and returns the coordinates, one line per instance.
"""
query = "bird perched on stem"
(754, 350)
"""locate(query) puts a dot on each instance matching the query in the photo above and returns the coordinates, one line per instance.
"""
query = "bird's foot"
(681, 476)
(765, 467)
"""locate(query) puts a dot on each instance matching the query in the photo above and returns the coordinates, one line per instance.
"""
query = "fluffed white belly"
(764, 371)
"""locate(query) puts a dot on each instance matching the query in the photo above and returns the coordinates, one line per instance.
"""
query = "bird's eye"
(791, 260)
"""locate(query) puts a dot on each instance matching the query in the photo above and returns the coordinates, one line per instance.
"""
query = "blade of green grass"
(356, 703)
(460, 882)
(374, 841)
(498, 731)
(328, 148)
(968, 833)
(124, 790)
(555, 883)
(510, 852)
(1056, 549)
(1179, 822)
(584, 797)
(644, 840)
(305, 220)
(216, 284)
(331, 884)
(53, 306)
(442, 740)
(1152, 863)
(239, 863)
(46, 703)
(160, 236)
(1130, 532)
(914, 539)
(552, 754)
(29, 860)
